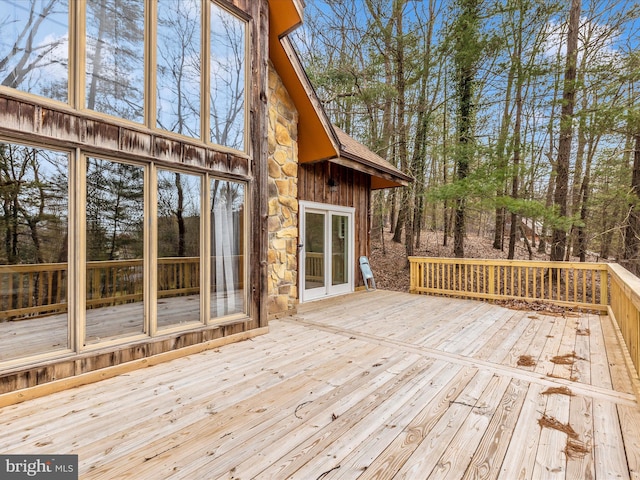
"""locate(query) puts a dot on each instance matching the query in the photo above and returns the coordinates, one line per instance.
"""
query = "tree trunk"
(501, 154)
(551, 185)
(445, 170)
(405, 215)
(632, 230)
(559, 237)
(180, 217)
(423, 119)
(392, 211)
(467, 53)
(515, 221)
(523, 232)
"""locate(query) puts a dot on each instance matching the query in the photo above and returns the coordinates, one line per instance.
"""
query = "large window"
(227, 78)
(227, 248)
(99, 247)
(115, 58)
(141, 268)
(143, 61)
(34, 47)
(115, 250)
(178, 269)
(33, 252)
(179, 62)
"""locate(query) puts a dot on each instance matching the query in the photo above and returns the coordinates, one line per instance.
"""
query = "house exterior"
(319, 178)
(169, 181)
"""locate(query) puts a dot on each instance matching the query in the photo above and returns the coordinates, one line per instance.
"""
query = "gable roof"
(385, 175)
(318, 139)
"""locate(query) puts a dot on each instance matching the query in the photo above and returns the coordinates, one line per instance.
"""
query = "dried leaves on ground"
(558, 391)
(550, 422)
(566, 359)
(526, 361)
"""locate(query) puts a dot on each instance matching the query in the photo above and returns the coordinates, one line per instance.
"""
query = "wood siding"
(353, 190)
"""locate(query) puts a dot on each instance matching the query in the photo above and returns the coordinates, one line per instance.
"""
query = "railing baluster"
(604, 294)
(492, 279)
(10, 292)
(484, 279)
(511, 277)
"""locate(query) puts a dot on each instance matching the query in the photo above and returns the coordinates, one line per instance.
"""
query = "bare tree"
(559, 237)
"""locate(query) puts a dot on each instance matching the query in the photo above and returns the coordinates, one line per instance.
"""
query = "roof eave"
(381, 177)
(285, 16)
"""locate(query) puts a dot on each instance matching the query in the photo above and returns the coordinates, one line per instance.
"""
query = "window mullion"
(77, 258)
(80, 54)
(151, 250)
(205, 251)
(151, 62)
(205, 79)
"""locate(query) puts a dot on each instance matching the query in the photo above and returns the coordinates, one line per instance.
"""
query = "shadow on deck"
(371, 385)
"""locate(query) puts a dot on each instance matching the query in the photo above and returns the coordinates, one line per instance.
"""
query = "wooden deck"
(372, 385)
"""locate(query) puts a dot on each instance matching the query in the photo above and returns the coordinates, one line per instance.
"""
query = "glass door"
(339, 250)
(314, 245)
(327, 251)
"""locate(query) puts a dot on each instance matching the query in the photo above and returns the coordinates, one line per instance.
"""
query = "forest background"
(518, 119)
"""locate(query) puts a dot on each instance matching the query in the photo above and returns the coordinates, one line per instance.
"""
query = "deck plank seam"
(589, 390)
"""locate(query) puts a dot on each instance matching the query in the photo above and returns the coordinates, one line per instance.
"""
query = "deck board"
(374, 385)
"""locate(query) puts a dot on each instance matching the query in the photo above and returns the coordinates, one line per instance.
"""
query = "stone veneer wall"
(283, 199)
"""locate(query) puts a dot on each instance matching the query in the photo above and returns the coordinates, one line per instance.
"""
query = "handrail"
(33, 290)
(625, 308)
(114, 282)
(566, 283)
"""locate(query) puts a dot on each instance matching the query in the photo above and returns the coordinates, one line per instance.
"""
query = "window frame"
(77, 61)
(73, 288)
(202, 320)
(246, 225)
(78, 151)
(147, 196)
(240, 15)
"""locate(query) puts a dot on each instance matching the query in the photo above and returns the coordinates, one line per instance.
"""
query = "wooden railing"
(31, 290)
(115, 282)
(314, 266)
(625, 308)
(594, 286)
(572, 284)
(28, 291)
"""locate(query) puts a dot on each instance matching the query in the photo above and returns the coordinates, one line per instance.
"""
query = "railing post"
(604, 287)
(412, 276)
